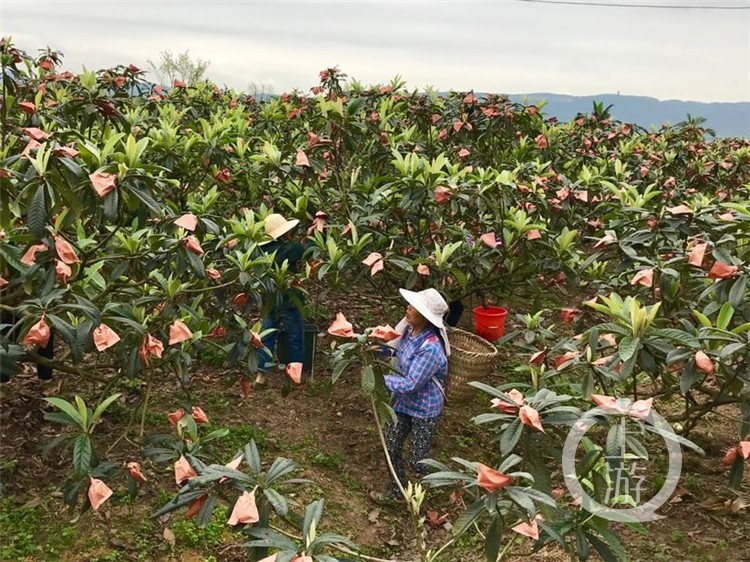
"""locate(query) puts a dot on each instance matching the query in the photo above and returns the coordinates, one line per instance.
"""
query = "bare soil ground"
(330, 431)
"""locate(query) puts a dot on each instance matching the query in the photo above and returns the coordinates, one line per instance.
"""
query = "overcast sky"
(505, 46)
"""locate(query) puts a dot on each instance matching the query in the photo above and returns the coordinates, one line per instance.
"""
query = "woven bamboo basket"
(472, 358)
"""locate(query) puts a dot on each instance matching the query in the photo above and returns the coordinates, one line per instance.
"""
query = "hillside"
(727, 119)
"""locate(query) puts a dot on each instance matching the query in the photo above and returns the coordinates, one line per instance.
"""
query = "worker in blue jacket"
(283, 309)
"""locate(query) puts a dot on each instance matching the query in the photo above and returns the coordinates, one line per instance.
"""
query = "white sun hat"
(430, 304)
(276, 225)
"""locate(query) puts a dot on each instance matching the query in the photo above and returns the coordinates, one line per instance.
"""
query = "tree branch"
(56, 365)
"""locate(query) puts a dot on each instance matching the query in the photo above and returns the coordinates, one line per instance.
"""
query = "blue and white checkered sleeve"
(424, 365)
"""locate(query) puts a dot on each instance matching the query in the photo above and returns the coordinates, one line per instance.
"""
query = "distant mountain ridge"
(728, 119)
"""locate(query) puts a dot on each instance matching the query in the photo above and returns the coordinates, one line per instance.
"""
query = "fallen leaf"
(680, 495)
(32, 503)
(737, 505)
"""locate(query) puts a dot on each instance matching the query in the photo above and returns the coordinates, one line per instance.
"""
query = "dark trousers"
(422, 434)
(288, 318)
(455, 310)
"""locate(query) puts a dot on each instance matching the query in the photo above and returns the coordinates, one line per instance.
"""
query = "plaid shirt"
(418, 359)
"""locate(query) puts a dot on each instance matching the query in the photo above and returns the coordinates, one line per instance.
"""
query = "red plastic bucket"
(489, 323)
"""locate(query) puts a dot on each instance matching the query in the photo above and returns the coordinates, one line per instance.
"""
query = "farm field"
(131, 266)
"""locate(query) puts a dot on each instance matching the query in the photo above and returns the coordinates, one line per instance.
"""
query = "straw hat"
(276, 225)
(430, 304)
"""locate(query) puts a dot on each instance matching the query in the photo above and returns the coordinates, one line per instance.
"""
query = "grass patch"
(113, 556)
(238, 437)
(352, 483)
(334, 461)
(17, 530)
(321, 389)
(20, 530)
(217, 404)
(187, 533)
